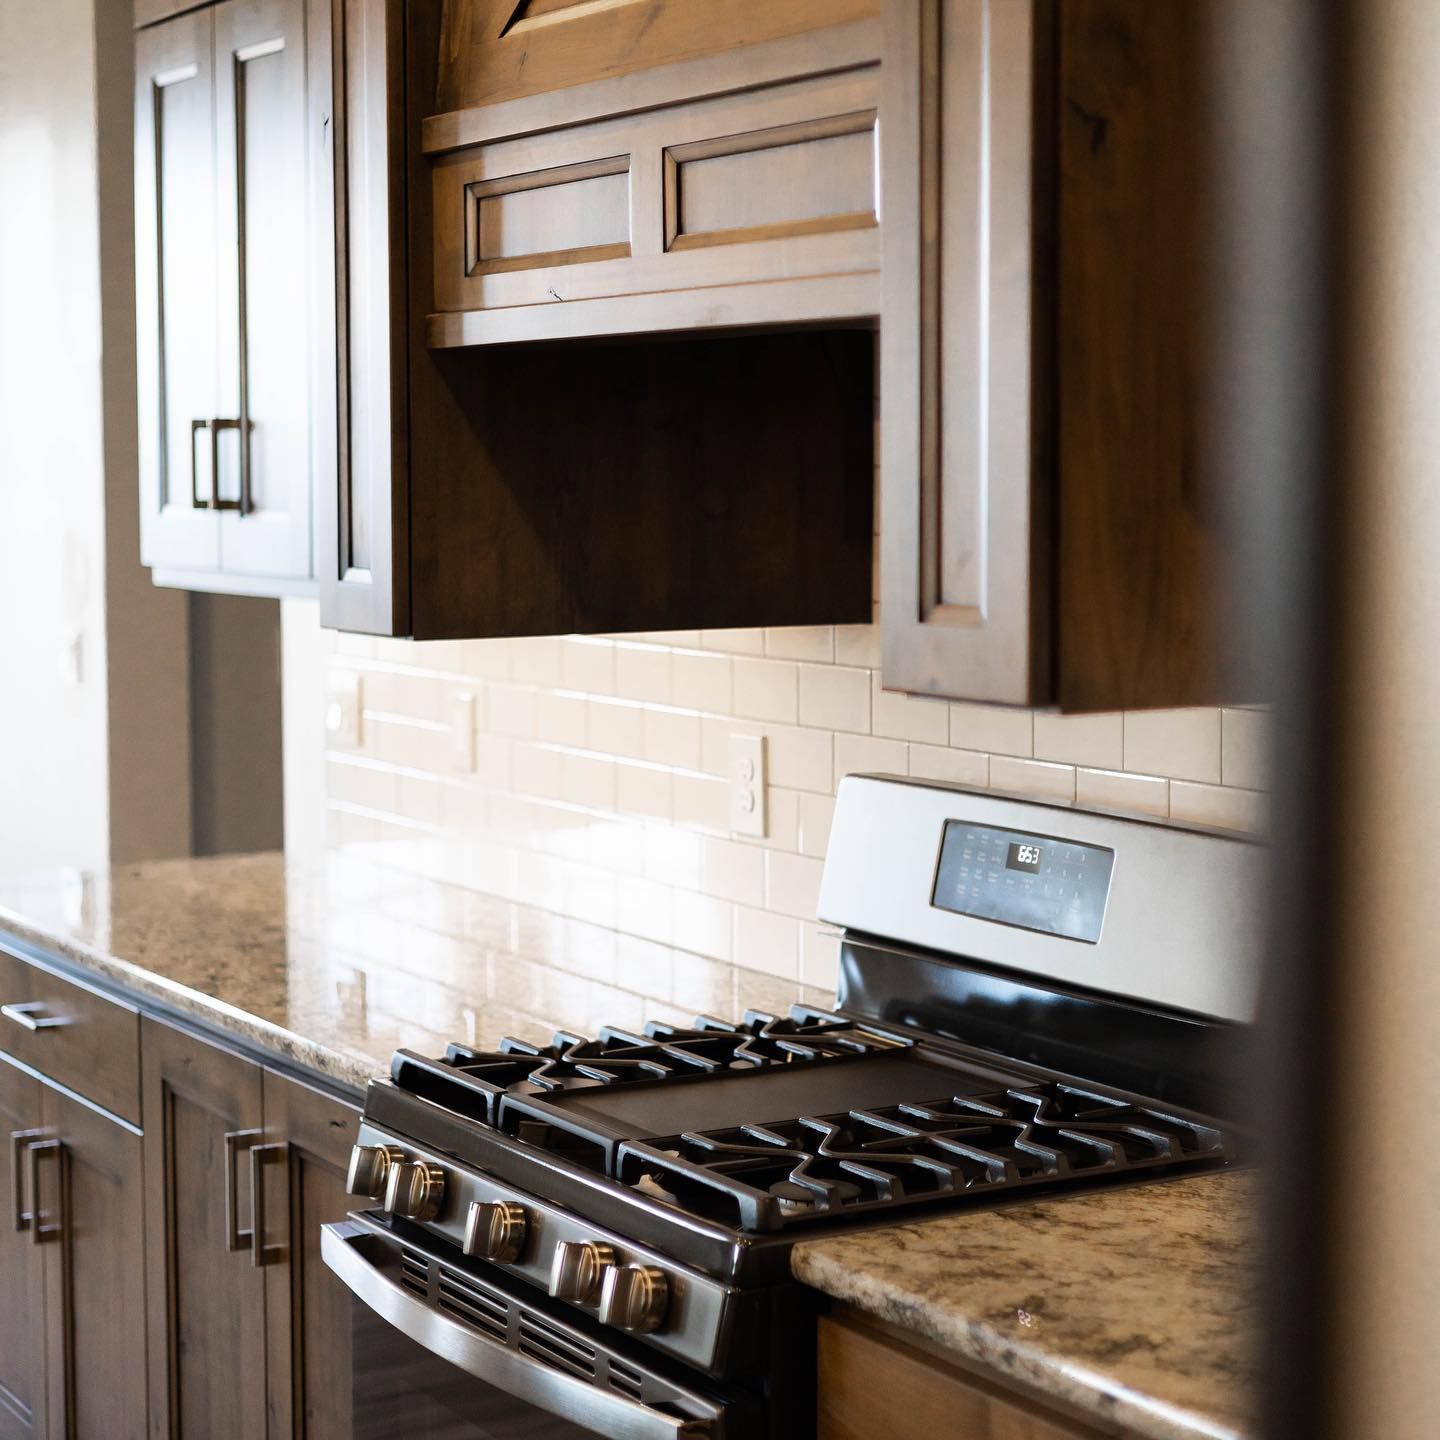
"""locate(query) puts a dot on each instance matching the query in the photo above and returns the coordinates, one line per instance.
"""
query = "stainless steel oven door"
(442, 1353)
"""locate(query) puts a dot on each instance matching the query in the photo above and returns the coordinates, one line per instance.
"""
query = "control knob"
(414, 1190)
(370, 1168)
(578, 1270)
(495, 1230)
(634, 1297)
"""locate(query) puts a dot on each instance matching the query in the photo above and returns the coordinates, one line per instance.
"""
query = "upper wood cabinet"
(653, 165)
(224, 297)
(1052, 525)
(487, 489)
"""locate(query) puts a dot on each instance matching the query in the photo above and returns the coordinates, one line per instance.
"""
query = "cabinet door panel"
(22, 1326)
(206, 1302)
(176, 295)
(95, 1280)
(263, 342)
(965, 564)
(357, 158)
(308, 1309)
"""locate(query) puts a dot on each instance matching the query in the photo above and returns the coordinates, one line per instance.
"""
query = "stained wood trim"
(152, 12)
(356, 78)
(841, 47)
(478, 190)
(965, 566)
(825, 298)
(877, 1380)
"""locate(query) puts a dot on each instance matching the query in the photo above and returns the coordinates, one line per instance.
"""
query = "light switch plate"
(343, 706)
(747, 784)
(462, 733)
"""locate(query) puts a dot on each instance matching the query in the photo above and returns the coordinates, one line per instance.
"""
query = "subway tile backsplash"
(599, 785)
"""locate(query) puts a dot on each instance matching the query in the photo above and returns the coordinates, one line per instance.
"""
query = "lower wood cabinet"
(22, 1326)
(249, 1333)
(160, 1270)
(72, 1355)
(873, 1384)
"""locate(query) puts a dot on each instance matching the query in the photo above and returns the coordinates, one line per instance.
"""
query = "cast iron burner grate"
(767, 1177)
(470, 1082)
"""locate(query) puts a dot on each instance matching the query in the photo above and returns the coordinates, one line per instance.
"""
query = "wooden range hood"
(534, 172)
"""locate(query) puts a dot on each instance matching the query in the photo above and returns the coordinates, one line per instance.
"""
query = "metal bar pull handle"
(19, 1142)
(260, 1157)
(236, 1239)
(217, 424)
(346, 1248)
(196, 503)
(32, 1016)
(38, 1150)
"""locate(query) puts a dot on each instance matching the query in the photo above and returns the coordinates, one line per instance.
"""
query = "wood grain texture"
(871, 1384)
(260, 149)
(22, 1326)
(769, 184)
(358, 209)
(1142, 548)
(616, 486)
(151, 12)
(176, 289)
(205, 1305)
(964, 336)
(96, 1053)
(494, 50)
(308, 1313)
(95, 1277)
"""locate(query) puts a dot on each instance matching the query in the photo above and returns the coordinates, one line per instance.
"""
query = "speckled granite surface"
(1133, 1306)
(335, 966)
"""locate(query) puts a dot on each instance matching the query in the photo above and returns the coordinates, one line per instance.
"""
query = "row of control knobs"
(587, 1272)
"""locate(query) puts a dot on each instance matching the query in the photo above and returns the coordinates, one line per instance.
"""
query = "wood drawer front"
(95, 1053)
(776, 183)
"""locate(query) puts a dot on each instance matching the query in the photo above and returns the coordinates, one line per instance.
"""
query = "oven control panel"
(1036, 882)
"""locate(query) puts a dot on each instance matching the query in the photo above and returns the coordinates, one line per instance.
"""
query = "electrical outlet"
(462, 733)
(747, 784)
(342, 712)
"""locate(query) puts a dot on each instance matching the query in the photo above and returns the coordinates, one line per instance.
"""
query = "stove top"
(780, 1122)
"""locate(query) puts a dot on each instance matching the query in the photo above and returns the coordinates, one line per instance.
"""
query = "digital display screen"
(1034, 882)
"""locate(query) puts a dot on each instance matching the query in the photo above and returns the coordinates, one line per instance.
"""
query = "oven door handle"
(492, 1363)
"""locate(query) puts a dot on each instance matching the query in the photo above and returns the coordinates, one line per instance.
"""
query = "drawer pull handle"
(19, 1141)
(236, 1239)
(31, 1015)
(38, 1150)
(260, 1157)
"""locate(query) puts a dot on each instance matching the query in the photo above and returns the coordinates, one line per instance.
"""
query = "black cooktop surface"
(780, 1121)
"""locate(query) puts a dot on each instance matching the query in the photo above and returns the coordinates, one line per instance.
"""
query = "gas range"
(638, 1193)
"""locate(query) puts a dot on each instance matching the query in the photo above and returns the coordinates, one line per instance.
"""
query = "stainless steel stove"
(592, 1236)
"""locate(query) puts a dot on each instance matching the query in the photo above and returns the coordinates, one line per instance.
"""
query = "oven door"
(445, 1353)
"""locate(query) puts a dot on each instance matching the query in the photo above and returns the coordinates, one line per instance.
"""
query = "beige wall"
(54, 802)
(93, 690)
(600, 788)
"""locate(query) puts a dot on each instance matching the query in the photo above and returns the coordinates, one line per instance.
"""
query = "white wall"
(54, 798)
(93, 660)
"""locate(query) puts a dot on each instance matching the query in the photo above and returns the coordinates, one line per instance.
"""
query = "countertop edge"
(339, 1069)
(1037, 1374)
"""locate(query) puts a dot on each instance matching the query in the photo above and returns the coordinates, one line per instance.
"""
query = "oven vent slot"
(414, 1272)
(540, 1342)
(472, 1305)
(625, 1380)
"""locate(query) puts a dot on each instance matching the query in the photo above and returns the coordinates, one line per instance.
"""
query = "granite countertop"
(334, 965)
(1133, 1307)
(1130, 1306)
